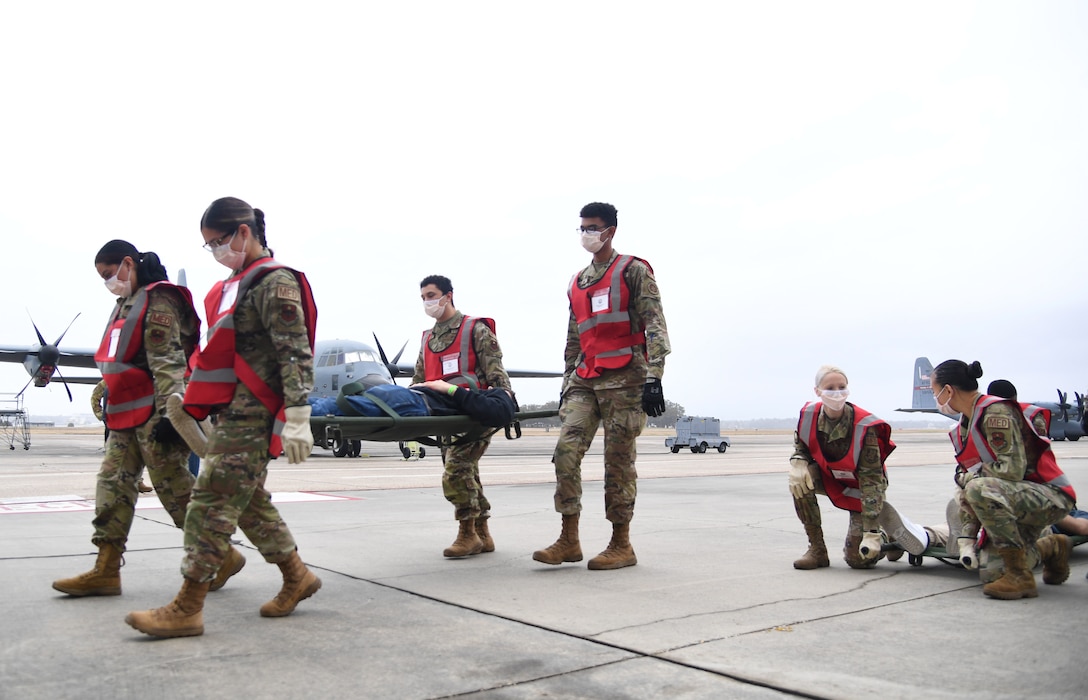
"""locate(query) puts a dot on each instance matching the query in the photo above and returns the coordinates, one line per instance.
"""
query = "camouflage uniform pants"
(1015, 512)
(808, 512)
(230, 493)
(127, 453)
(461, 480)
(584, 409)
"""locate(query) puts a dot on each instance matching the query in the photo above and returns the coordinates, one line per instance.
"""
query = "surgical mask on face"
(116, 286)
(433, 307)
(944, 408)
(591, 241)
(228, 257)
(834, 399)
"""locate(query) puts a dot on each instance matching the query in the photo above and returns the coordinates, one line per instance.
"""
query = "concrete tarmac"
(713, 609)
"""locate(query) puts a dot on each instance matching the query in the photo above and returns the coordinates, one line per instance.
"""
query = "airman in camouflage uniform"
(272, 336)
(170, 331)
(996, 490)
(461, 475)
(616, 398)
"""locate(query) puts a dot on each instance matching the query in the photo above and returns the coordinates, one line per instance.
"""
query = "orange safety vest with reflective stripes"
(217, 367)
(604, 324)
(840, 479)
(130, 399)
(457, 363)
(975, 450)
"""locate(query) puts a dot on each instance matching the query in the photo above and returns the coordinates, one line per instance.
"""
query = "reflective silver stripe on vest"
(130, 405)
(975, 436)
(808, 414)
(859, 433)
(468, 325)
(227, 375)
(139, 308)
(615, 298)
(852, 492)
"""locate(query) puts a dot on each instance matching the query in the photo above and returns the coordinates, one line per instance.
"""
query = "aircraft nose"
(48, 355)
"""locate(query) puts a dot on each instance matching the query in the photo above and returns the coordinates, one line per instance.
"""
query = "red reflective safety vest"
(1030, 411)
(130, 399)
(217, 368)
(840, 478)
(973, 452)
(604, 324)
(457, 363)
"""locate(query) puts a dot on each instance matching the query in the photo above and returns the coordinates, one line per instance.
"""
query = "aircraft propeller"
(49, 355)
(391, 366)
(1064, 404)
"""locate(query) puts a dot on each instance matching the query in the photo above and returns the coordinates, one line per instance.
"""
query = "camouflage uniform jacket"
(1001, 427)
(270, 335)
(489, 367)
(835, 437)
(171, 331)
(647, 315)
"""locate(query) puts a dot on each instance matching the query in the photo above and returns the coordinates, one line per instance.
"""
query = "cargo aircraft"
(1067, 422)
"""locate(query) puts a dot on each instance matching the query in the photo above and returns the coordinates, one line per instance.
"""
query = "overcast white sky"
(848, 182)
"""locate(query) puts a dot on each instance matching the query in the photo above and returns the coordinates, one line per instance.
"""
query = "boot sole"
(166, 634)
(1011, 595)
(898, 532)
(565, 560)
(609, 567)
(83, 593)
(461, 555)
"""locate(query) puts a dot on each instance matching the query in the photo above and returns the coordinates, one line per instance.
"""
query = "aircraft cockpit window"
(340, 359)
(360, 356)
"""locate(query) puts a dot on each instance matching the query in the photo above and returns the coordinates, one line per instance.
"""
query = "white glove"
(968, 552)
(187, 426)
(800, 480)
(870, 545)
(298, 439)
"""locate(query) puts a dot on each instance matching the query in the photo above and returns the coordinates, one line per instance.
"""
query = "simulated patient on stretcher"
(493, 408)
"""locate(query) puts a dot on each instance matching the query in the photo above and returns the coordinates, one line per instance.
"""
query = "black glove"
(653, 399)
(164, 433)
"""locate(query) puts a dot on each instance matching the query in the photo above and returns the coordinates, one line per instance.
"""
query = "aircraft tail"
(923, 396)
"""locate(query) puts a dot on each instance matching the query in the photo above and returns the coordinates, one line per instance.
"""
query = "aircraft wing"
(409, 370)
(68, 358)
(919, 410)
(75, 380)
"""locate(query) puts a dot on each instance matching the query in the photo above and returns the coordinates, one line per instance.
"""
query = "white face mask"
(834, 399)
(591, 241)
(944, 408)
(228, 257)
(434, 307)
(116, 286)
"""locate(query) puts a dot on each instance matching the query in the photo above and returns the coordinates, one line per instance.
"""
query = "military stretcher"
(941, 553)
(332, 432)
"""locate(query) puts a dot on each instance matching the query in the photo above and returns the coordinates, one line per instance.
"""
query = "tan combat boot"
(816, 556)
(485, 535)
(1017, 582)
(103, 579)
(566, 548)
(232, 564)
(299, 583)
(1054, 553)
(618, 553)
(181, 617)
(467, 542)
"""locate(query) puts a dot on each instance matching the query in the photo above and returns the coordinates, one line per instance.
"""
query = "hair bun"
(974, 370)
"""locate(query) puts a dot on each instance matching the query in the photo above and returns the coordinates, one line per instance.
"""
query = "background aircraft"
(41, 361)
(1067, 422)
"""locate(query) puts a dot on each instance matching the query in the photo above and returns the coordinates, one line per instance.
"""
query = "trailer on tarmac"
(697, 434)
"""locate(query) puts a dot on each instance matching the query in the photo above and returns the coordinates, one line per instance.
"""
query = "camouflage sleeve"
(646, 307)
(97, 395)
(1039, 423)
(872, 482)
(800, 449)
(163, 344)
(1001, 429)
(573, 350)
(278, 298)
(489, 357)
(420, 372)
